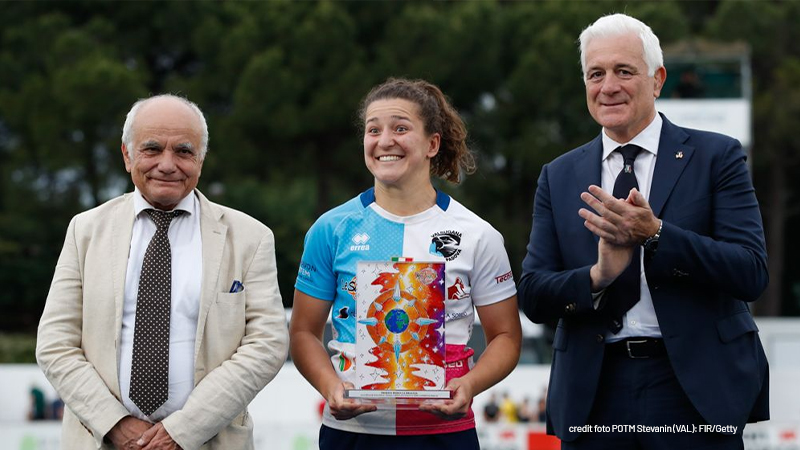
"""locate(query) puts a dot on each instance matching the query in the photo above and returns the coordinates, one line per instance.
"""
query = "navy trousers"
(634, 394)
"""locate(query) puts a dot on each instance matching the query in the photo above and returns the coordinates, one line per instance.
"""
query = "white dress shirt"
(641, 319)
(187, 270)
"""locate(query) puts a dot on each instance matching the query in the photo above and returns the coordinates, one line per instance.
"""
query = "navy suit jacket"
(711, 260)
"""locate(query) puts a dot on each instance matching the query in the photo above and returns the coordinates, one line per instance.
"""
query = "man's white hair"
(618, 25)
(127, 128)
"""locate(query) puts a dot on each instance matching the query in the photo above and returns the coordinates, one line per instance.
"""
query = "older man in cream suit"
(158, 333)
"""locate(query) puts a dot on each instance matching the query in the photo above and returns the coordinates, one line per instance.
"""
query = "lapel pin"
(678, 155)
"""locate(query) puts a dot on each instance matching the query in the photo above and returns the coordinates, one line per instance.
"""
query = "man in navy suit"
(646, 246)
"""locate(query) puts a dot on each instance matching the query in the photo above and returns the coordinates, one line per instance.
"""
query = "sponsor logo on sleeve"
(504, 277)
(306, 270)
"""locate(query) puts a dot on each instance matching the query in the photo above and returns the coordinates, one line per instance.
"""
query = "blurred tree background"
(280, 83)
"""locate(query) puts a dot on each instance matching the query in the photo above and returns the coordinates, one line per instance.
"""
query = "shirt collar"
(188, 204)
(648, 139)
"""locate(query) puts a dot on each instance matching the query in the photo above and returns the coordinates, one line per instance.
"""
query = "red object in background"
(542, 441)
(507, 435)
(788, 435)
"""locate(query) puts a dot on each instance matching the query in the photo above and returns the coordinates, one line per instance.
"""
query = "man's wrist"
(651, 243)
(596, 283)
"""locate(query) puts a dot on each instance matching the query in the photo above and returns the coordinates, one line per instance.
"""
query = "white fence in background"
(286, 413)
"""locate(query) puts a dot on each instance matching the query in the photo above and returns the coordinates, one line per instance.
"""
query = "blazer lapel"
(212, 232)
(673, 157)
(587, 165)
(122, 226)
(587, 172)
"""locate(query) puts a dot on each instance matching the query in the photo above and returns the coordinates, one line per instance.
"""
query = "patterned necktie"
(150, 367)
(625, 290)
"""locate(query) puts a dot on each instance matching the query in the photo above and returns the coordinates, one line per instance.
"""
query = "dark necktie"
(625, 290)
(150, 366)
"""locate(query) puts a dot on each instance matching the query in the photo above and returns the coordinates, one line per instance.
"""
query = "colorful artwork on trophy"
(400, 339)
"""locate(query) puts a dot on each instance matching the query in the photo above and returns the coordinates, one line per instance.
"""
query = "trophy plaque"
(400, 339)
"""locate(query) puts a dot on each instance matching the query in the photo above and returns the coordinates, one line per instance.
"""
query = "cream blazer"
(241, 343)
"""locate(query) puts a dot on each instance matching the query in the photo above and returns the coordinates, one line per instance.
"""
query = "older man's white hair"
(618, 25)
(127, 128)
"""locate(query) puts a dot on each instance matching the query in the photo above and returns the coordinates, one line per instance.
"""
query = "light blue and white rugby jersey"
(477, 273)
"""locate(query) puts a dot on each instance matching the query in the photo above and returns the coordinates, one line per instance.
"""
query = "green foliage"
(17, 348)
(286, 204)
(280, 83)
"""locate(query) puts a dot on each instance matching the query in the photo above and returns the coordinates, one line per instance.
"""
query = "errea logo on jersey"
(360, 242)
